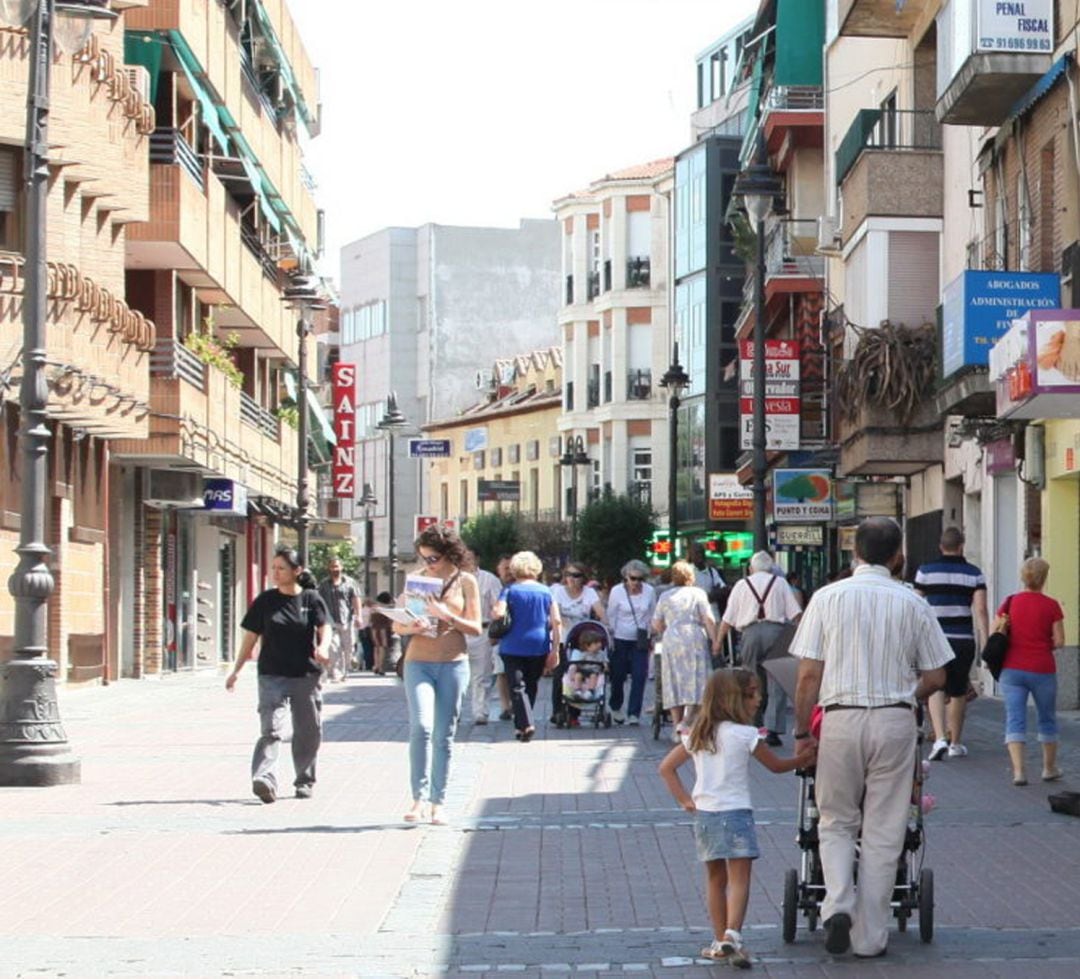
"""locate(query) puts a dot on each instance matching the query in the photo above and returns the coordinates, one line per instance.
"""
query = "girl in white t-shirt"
(720, 743)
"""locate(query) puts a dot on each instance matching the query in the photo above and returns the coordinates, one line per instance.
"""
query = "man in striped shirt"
(870, 648)
(956, 591)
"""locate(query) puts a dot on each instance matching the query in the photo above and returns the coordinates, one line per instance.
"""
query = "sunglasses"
(430, 559)
(573, 574)
(631, 577)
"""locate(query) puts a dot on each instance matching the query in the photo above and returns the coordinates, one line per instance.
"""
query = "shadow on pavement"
(286, 830)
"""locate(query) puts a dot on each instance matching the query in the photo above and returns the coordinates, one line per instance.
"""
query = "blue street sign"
(225, 496)
(429, 448)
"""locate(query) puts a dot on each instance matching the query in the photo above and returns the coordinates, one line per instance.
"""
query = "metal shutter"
(8, 188)
(913, 276)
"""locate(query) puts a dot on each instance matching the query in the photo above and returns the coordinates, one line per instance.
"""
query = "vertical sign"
(343, 382)
(782, 406)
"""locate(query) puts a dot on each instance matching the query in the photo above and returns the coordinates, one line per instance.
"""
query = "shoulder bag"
(497, 628)
(997, 643)
(642, 640)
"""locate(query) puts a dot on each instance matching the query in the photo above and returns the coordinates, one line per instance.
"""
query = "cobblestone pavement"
(564, 856)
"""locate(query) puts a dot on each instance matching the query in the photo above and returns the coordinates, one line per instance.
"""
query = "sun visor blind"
(8, 189)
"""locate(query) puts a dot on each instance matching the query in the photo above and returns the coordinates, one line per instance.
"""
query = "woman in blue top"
(532, 644)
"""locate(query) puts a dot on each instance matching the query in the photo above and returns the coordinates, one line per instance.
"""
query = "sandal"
(717, 951)
(1019, 780)
(1053, 776)
(416, 814)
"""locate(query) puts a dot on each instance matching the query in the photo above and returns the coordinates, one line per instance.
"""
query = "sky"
(482, 112)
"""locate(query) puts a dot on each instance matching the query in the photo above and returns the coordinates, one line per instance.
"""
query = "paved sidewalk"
(564, 855)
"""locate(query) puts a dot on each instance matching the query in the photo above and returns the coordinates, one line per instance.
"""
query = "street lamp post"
(303, 295)
(574, 456)
(758, 187)
(675, 381)
(34, 748)
(367, 501)
(392, 421)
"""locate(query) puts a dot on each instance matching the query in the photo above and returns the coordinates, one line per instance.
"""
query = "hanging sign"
(343, 470)
(782, 405)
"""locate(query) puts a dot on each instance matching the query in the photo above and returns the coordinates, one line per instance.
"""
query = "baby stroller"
(804, 889)
(585, 681)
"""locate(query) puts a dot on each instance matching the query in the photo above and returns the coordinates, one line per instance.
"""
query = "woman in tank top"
(436, 672)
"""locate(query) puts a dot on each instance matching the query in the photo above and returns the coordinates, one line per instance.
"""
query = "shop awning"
(1040, 89)
(196, 78)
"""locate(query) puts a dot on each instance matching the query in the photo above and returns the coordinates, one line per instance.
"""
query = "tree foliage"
(319, 556)
(490, 535)
(612, 531)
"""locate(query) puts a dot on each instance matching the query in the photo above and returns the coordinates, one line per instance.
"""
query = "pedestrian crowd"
(866, 651)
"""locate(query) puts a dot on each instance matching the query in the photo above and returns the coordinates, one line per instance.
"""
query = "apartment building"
(510, 437)
(202, 498)
(616, 331)
(99, 347)
(423, 310)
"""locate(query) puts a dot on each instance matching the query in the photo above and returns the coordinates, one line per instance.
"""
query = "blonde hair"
(682, 573)
(726, 698)
(1033, 573)
(525, 564)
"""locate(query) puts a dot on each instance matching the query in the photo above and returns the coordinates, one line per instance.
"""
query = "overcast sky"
(482, 112)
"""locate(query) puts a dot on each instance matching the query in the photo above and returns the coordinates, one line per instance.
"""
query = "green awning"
(288, 77)
(144, 49)
(196, 78)
(800, 37)
(321, 431)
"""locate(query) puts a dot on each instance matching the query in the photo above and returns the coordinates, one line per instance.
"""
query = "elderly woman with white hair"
(630, 613)
(759, 607)
(532, 644)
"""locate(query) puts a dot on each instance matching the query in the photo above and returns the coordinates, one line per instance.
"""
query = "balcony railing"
(171, 359)
(638, 274)
(592, 285)
(790, 250)
(255, 415)
(886, 129)
(795, 98)
(639, 384)
(169, 146)
(251, 241)
(989, 254)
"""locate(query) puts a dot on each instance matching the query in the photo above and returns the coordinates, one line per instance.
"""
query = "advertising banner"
(802, 495)
(343, 393)
(1036, 366)
(800, 535)
(782, 405)
(223, 496)
(1022, 27)
(729, 499)
(498, 491)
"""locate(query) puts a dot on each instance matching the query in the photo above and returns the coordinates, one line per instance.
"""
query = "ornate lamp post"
(675, 381)
(573, 456)
(33, 745)
(304, 296)
(392, 421)
(367, 501)
(758, 187)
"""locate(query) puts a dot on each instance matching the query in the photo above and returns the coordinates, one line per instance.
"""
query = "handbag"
(641, 643)
(497, 628)
(997, 643)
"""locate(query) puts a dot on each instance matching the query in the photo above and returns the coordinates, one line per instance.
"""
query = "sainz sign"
(343, 378)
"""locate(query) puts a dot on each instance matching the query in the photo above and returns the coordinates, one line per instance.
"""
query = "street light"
(304, 296)
(758, 187)
(33, 745)
(574, 455)
(675, 380)
(392, 421)
(367, 501)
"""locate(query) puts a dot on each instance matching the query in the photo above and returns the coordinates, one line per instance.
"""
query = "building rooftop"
(640, 171)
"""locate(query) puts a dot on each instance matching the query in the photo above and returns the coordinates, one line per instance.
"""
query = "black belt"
(833, 707)
(760, 622)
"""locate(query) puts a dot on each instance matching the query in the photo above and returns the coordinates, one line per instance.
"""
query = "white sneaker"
(618, 717)
(633, 720)
(957, 751)
(937, 752)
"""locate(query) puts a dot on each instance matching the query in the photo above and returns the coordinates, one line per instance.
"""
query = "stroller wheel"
(901, 920)
(812, 919)
(926, 905)
(607, 718)
(791, 905)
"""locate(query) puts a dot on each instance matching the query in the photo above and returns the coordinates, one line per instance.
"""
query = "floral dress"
(685, 661)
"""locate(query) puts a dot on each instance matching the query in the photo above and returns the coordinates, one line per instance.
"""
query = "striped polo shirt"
(949, 584)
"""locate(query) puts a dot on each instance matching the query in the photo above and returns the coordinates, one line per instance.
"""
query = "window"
(513, 454)
(641, 470)
(532, 450)
(444, 501)
(360, 323)
(9, 198)
(496, 457)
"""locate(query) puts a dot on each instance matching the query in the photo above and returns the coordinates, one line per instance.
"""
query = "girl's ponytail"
(306, 580)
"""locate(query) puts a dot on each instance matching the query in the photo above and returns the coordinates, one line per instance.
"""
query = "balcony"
(639, 384)
(791, 251)
(875, 444)
(880, 18)
(638, 272)
(169, 146)
(985, 67)
(793, 117)
(890, 164)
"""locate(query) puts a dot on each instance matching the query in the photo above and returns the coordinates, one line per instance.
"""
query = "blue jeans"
(434, 693)
(1015, 687)
(627, 660)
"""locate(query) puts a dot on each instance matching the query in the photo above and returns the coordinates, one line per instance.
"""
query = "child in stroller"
(584, 684)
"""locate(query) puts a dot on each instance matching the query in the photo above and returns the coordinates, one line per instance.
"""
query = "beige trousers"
(866, 763)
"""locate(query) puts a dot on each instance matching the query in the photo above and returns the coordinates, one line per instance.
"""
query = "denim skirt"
(728, 835)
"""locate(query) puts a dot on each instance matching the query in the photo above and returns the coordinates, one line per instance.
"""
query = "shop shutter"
(8, 188)
(913, 276)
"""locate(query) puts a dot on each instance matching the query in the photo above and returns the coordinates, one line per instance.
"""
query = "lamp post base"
(34, 749)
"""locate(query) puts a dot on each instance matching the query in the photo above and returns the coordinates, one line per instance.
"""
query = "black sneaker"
(304, 791)
(264, 790)
(838, 934)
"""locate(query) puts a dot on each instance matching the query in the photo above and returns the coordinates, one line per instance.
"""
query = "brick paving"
(565, 856)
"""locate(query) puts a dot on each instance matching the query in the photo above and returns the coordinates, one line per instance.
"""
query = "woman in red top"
(1036, 629)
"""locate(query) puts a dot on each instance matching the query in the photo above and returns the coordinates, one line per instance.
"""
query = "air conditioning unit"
(140, 80)
(175, 488)
(485, 379)
(828, 234)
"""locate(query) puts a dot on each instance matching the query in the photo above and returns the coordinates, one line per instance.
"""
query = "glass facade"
(690, 327)
(690, 219)
(690, 457)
